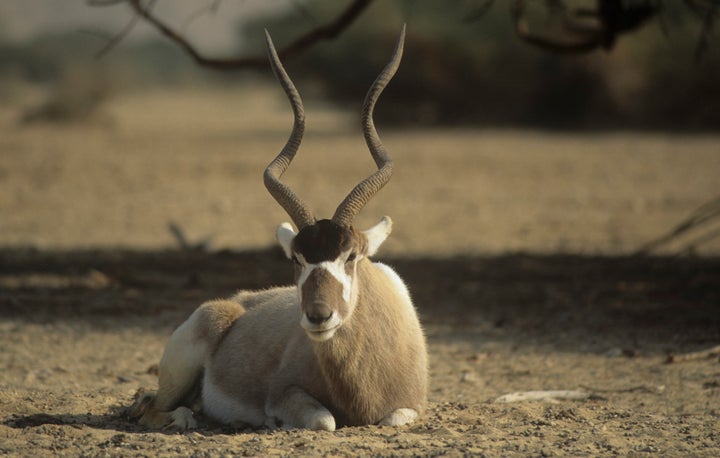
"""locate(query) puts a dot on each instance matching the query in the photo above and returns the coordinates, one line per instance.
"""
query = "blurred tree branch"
(612, 18)
(117, 38)
(210, 8)
(704, 216)
(327, 31)
(582, 29)
(708, 11)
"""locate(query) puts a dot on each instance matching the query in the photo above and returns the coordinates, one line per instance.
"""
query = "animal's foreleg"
(297, 409)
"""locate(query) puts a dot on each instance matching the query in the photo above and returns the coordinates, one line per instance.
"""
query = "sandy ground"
(197, 159)
(516, 247)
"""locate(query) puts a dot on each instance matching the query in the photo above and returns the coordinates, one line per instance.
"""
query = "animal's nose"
(317, 318)
(318, 313)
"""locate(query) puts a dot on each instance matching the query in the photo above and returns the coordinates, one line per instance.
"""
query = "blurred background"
(542, 126)
(465, 64)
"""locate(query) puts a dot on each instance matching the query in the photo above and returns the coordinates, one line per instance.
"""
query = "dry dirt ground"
(516, 247)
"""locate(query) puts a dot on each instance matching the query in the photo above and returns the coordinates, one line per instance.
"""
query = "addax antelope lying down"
(342, 347)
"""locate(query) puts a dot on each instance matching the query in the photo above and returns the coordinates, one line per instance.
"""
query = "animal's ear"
(377, 234)
(285, 235)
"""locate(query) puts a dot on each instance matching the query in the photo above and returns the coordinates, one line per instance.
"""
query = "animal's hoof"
(142, 400)
(322, 422)
(180, 419)
(399, 417)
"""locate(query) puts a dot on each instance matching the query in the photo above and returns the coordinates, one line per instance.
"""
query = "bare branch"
(104, 2)
(694, 356)
(547, 395)
(210, 8)
(479, 11)
(324, 32)
(704, 7)
(706, 213)
(611, 18)
(305, 13)
(632, 389)
(707, 27)
(185, 244)
(117, 38)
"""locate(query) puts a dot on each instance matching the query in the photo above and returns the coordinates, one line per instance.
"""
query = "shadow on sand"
(569, 303)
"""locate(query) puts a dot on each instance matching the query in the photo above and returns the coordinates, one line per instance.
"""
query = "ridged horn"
(288, 200)
(366, 189)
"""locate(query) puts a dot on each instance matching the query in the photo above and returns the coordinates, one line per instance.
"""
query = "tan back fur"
(374, 364)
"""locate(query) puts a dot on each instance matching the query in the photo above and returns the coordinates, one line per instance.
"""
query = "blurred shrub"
(53, 57)
(77, 96)
(460, 72)
(77, 84)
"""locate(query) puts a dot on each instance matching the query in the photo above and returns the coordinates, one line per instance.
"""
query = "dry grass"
(197, 158)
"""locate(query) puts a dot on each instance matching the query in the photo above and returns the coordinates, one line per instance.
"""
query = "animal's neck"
(353, 363)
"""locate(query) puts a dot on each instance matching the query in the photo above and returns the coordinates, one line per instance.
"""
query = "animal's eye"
(351, 258)
(296, 261)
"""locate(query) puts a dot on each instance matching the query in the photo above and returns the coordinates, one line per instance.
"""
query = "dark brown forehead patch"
(324, 241)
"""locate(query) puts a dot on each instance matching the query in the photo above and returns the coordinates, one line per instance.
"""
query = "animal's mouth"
(321, 334)
(324, 331)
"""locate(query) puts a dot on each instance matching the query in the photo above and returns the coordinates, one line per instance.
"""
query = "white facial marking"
(336, 268)
(304, 273)
(323, 331)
